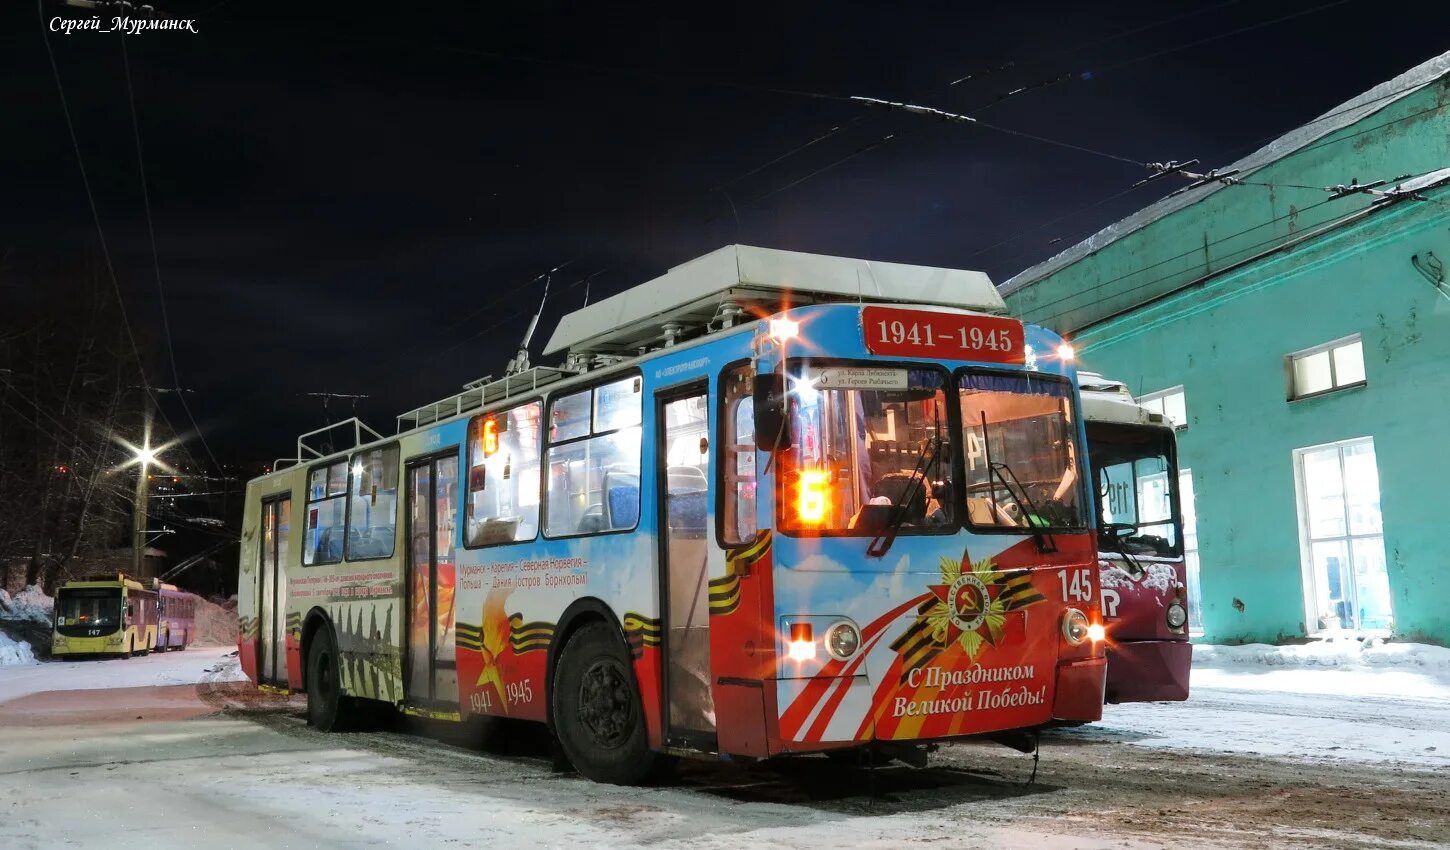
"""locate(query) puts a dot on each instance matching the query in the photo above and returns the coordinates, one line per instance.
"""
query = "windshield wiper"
(1112, 532)
(925, 457)
(1045, 542)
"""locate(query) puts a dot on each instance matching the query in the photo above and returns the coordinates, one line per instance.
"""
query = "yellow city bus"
(104, 615)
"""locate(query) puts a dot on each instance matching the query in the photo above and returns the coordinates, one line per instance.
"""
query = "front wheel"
(324, 685)
(596, 708)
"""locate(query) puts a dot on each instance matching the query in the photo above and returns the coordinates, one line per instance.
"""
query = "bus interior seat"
(687, 511)
(593, 520)
(329, 545)
(685, 478)
(622, 499)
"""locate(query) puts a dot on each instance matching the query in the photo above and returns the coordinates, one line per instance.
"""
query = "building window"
(1342, 535)
(1190, 550)
(503, 475)
(1171, 403)
(594, 460)
(1325, 368)
(326, 513)
(374, 504)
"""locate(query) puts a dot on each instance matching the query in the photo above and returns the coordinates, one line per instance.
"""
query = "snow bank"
(1341, 666)
(15, 653)
(29, 604)
(1338, 653)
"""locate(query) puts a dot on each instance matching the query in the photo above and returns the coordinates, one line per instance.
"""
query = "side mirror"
(772, 431)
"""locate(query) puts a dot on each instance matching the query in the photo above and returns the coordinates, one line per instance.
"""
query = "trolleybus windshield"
(1133, 474)
(88, 608)
(1019, 434)
(859, 437)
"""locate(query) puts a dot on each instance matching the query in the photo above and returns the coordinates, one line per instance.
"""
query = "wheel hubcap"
(605, 707)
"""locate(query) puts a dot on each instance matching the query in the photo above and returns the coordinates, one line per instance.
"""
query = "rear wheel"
(596, 709)
(324, 685)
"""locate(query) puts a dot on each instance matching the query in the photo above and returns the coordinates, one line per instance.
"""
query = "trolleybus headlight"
(842, 640)
(1065, 352)
(1097, 632)
(1075, 627)
(802, 643)
(1177, 615)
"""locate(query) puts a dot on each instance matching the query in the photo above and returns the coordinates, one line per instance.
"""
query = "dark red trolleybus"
(1132, 452)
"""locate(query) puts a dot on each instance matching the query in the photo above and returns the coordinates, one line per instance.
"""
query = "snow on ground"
(15, 653)
(1341, 666)
(162, 668)
(1370, 702)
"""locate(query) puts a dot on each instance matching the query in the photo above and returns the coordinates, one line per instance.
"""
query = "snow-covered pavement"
(1329, 701)
(162, 668)
(1252, 760)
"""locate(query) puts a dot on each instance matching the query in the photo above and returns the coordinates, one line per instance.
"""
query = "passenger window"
(374, 504)
(503, 475)
(569, 417)
(326, 514)
(593, 483)
(738, 461)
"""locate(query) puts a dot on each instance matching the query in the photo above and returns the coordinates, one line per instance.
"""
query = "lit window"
(1171, 403)
(326, 513)
(1325, 368)
(1342, 535)
(373, 506)
(593, 482)
(503, 478)
(1190, 550)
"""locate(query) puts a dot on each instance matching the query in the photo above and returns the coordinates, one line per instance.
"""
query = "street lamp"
(145, 456)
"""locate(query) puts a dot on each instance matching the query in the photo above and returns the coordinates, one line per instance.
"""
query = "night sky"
(355, 201)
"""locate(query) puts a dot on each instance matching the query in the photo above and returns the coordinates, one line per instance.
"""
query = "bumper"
(1079, 692)
(88, 646)
(1149, 671)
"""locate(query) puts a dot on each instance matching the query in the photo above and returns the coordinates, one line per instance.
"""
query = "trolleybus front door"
(683, 454)
(430, 669)
(272, 594)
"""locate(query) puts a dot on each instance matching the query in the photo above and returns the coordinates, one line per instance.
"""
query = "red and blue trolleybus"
(769, 503)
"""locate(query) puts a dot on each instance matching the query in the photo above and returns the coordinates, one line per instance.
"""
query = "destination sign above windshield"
(942, 336)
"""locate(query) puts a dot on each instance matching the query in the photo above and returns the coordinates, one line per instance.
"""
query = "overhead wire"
(100, 230)
(156, 262)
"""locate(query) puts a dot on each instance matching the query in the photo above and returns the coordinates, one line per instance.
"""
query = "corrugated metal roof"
(1332, 121)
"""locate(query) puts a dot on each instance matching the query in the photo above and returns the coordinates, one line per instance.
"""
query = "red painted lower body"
(1149, 671)
(1079, 692)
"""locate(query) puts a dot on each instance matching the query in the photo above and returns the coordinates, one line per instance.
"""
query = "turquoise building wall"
(1225, 340)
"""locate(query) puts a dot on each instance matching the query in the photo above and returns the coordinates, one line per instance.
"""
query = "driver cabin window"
(1019, 442)
(869, 445)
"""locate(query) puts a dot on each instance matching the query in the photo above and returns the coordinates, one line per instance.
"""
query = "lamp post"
(145, 456)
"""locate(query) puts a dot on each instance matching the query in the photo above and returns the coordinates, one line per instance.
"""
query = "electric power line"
(96, 219)
(156, 259)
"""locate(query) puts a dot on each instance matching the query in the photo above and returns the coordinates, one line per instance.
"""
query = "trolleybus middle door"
(272, 594)
(683, 475)
(430, 671)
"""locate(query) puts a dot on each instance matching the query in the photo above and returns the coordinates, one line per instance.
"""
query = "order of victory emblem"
(969, 607)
